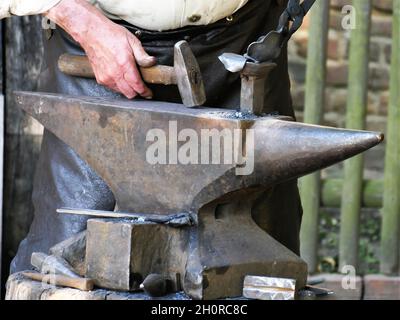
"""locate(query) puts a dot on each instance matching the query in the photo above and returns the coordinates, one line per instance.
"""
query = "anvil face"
(123, 141)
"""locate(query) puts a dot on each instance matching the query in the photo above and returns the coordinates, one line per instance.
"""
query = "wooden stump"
(20, 288)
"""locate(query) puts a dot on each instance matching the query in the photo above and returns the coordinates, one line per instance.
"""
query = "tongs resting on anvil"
(267, 48)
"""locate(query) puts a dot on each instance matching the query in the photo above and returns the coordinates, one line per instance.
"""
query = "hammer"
(63, 281)
(185, 73)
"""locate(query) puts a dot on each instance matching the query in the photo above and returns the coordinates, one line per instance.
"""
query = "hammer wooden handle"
(79, 66)
(77, 283)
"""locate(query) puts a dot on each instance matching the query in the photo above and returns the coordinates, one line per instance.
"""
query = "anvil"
(225, 244)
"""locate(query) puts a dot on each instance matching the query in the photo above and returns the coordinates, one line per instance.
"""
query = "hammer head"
(188, 75)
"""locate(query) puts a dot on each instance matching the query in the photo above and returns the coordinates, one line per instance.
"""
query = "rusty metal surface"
(120, 254)
(52, 265)
(252, 92)
(229, 246)
(111, 136)
(188, 75)
(108, 255)
(72, 250)
(209, 261)
(212, 257)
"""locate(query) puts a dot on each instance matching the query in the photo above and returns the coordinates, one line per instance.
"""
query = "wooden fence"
(352, 193)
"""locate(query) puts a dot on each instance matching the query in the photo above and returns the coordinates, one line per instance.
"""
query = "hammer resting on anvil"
(185, 73)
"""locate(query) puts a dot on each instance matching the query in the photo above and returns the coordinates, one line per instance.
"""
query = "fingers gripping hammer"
(185, 73)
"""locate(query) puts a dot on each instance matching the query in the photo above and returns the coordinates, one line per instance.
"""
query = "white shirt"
(156, 15)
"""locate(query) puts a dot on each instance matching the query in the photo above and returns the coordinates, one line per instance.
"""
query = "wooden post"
(390, 247)
(372, 194)
(314, 104)
(355, 119)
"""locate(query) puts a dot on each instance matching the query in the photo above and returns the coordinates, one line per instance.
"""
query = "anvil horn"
(111, 136)
(291, 149)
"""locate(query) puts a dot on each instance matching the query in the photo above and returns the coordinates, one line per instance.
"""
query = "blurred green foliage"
(329, 228)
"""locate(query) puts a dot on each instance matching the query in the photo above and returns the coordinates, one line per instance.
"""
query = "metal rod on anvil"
(174, 220)
(252, 95)
(255, 65)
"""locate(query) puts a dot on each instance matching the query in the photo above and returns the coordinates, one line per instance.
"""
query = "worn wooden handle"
(79, 66)
(63, 281)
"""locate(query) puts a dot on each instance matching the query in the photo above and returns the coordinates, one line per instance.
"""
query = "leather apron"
(64, 180)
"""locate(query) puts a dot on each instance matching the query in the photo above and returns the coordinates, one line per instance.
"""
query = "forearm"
(78, 18)
(112, 50)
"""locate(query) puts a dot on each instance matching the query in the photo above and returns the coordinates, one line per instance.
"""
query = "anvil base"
(207, 261)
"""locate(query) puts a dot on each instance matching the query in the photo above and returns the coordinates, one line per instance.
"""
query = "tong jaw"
(269, 47)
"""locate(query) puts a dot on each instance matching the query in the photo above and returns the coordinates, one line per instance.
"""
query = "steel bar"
(314, 103)
(391, 209)
(355, 119)
(180, 219)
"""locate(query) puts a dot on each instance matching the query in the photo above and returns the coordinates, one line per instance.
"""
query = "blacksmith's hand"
(113, 51)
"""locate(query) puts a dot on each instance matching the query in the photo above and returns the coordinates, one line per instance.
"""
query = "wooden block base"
(20, 288)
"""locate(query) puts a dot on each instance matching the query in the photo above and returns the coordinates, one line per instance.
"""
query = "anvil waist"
(64, 180)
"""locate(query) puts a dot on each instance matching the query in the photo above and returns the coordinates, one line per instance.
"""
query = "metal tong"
(269, 47)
